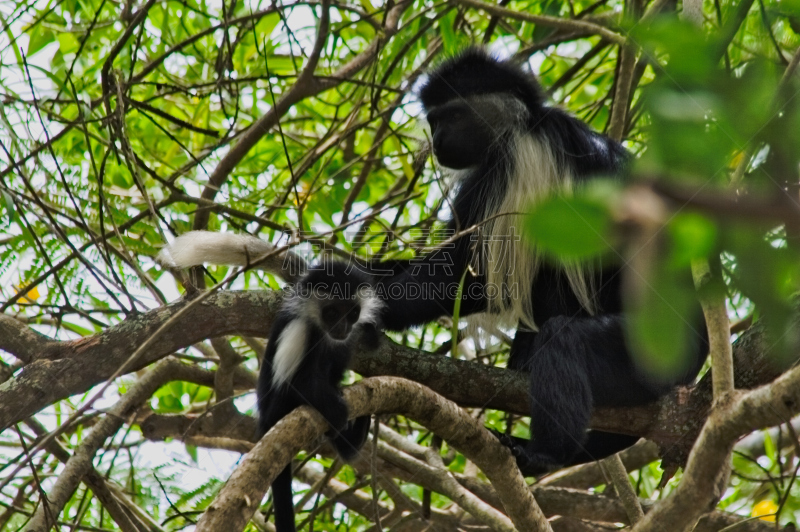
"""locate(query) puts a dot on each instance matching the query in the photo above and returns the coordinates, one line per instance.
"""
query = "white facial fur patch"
(510, 262)
(370, 307)
(290, 351)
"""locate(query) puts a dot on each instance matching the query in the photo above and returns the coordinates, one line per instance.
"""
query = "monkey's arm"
(420, 290)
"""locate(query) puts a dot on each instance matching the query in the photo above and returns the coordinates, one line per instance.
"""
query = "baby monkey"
(331, 309)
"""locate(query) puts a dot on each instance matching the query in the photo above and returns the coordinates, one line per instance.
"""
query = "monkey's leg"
(560, 397)
(574, 365)
(598, 445)
(328, 401)
(346, 436)
(272, 407)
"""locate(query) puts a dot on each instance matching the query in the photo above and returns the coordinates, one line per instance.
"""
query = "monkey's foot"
(530, 464)
(351, 438)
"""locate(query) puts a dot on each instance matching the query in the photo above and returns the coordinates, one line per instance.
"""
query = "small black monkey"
(329, 311)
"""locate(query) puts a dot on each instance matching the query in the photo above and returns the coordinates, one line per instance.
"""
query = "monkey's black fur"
(477, 106)
(332, 318)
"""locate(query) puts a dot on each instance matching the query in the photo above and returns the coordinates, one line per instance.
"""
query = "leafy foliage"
(119, 129)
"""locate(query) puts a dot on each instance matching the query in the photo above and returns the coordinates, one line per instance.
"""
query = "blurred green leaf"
(8, 205)
(693, 237)
(687, 55)
(449, 37)
(39, 39)
(191, 450)
(67, 42)
(570, 228)
(665, 319)
(768, 274)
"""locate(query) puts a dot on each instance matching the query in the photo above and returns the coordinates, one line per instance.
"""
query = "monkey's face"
(339, 316)
(464, 131)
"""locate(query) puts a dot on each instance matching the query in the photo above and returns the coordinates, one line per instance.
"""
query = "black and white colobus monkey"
(489, 122)
(329, 311)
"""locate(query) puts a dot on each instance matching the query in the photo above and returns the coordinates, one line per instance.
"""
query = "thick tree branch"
(20, 340)
(381, 395)
(62, 369)
(67, 368)
(550, 493)
(586, 476)
(626, 62)
(618, 476)
(716, 313)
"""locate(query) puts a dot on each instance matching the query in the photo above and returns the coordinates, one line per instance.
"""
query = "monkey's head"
(339, 316)
(338, 296)
(472, 102)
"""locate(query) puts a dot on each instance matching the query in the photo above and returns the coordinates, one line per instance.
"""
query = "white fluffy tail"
(198, 247)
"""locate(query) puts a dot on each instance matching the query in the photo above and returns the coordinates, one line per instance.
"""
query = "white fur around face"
(508, 260)
(537, 172)
(290, 351)
(371, 307)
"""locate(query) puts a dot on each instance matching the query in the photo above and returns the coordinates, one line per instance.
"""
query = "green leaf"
(551, 8)
(686, 139)
(7, 25)
(83, 331)
(687, 54)
(67, 43)
(457, 315)
(767, 274)
(191, 450)
(449, 37)
(57, 81)
(8, 204)
(120, 176)
(39, 38)
(571, 228)
(266, 25)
